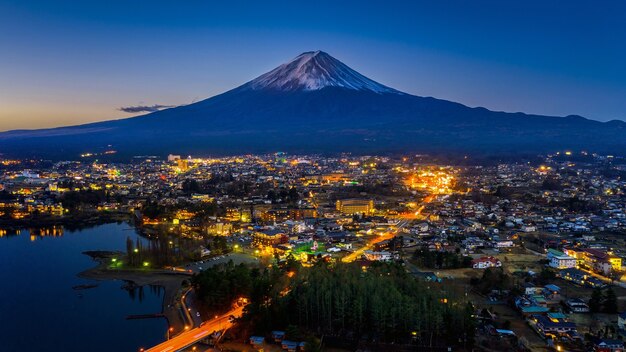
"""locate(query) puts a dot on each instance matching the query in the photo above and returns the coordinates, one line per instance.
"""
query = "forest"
(378, 303)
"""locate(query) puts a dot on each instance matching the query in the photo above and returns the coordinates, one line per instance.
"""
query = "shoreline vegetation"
(73, 221)
(171, 282)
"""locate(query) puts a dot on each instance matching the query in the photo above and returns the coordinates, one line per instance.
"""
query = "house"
(278, 335)
(290, 346)
(577, 305)
(538, 300)
(531, 310)
(503, 243)
(574, 275)
(486, 262)
(607, 345)
(552, 292)
(256, 340)
(551, 326)
(530, 288)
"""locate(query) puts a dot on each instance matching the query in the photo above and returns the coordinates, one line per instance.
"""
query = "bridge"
(190, 337)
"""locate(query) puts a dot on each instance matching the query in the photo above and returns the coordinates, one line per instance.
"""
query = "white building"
(562, 262)
(172, 157)
(486, 262)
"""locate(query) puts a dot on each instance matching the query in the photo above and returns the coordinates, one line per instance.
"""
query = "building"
(580, 277)
(220, 228)
(355, 206)
(503, 243)
(172, 157)
(182, 165)
(486, 262)
(552, 292)
(546, 326)
(269, 238)
(608, 345)
(595, 259)
(383, 256)
(530, 288)
(577, 305)
(574, 275)
(560, 260)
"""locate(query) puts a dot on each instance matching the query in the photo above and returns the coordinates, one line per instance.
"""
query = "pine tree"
(610, 301)
(595, 302)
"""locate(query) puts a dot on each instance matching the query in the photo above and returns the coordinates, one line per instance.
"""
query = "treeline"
(576, 204)
(494, 279)
(78, 199)
(161, 251)
(153, 210)
(219, 286)
(440, 260)
(605, 302)
(382, 303)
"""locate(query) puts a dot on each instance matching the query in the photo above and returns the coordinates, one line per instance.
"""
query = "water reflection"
(44, 283)
(136, 292)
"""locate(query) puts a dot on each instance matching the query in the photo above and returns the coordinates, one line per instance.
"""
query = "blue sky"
(70, 62)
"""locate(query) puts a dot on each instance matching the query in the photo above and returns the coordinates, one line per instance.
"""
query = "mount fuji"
(315, 103)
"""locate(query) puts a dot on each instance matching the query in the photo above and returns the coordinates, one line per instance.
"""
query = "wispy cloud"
(144, 108)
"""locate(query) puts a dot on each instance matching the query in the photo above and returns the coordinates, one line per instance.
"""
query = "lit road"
(359, 252)
(192, 336)
(389, 235)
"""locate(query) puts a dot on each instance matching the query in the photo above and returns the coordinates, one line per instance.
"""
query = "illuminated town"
(313, 176)
(546, 237)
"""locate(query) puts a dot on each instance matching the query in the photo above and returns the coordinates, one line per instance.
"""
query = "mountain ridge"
(315, 103)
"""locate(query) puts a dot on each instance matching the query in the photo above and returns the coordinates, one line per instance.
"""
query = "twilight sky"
(69, 62)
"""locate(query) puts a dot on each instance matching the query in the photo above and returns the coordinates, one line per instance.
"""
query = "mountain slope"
(315, 103)
(315, 70)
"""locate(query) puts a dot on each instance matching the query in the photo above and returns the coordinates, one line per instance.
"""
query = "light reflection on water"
(41, 310)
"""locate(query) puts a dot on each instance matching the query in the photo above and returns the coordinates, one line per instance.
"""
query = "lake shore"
(170, 281)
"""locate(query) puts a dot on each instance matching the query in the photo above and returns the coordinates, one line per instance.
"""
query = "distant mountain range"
(317, 104)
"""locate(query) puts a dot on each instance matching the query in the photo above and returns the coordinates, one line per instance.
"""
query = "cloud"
(144, 108)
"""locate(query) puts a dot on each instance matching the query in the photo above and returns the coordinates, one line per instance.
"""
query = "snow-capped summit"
(315, 70)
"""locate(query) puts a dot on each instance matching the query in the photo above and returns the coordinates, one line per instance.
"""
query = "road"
(359, 252)
(192, 336)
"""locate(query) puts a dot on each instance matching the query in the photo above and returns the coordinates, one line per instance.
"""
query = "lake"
(39, 309)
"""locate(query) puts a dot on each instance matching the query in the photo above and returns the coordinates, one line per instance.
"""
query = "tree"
(313, 345)
(595, 302)
(190, 186)
(610, 301)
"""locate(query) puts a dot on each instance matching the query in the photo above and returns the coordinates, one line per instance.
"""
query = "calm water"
(39, 310)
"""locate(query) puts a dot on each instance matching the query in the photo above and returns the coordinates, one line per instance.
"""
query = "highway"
(192, 336)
